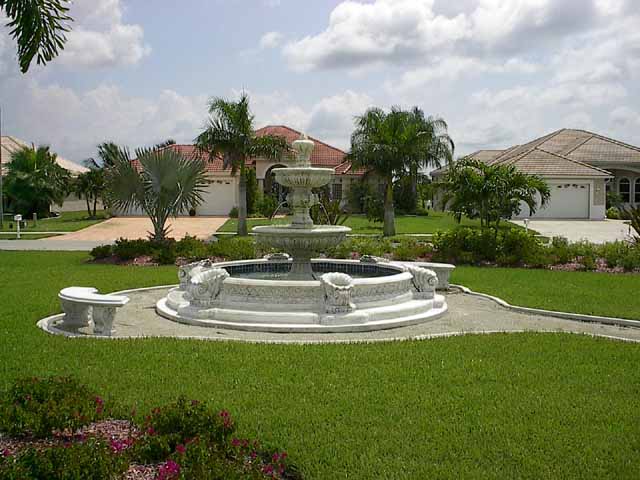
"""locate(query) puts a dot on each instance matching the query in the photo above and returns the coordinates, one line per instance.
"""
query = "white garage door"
(219, 198)
(568, 200)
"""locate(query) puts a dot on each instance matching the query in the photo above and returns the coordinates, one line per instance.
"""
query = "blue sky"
(499, 72)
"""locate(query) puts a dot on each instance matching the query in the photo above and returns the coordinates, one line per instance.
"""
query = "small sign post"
(18, 219)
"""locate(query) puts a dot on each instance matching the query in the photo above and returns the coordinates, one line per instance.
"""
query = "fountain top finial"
(303, 148)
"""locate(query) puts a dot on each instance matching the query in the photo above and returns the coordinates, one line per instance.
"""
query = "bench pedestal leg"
(76, 315)
(103, 320)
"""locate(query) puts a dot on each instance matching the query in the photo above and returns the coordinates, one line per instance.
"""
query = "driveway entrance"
(138, 227)
(575, 230)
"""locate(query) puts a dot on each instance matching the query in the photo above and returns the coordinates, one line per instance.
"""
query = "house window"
(336, 191)
(637, 191)
(624, 188)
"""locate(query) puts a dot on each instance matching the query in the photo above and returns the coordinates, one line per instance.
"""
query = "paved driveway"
(138, 227)
(575, 230)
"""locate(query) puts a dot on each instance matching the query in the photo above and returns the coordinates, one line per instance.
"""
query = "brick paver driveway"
(138, 227)
(575, 230)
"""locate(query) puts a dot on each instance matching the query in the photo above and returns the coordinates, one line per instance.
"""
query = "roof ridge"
(589, 137)
(526, 152)
(308, 136)
(609, 139)
(574, 161)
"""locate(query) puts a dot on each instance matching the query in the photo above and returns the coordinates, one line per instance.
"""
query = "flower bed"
(185, 440)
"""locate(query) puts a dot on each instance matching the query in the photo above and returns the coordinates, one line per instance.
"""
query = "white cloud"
(271, 40)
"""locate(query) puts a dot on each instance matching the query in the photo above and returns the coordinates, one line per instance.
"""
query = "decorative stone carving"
(76, 315)
(204, 287)
(277, 257)
(425, 281)
(103, 320)
(337, 292)
(186, 271)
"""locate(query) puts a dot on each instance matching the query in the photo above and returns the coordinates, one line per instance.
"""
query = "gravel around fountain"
(467, 314)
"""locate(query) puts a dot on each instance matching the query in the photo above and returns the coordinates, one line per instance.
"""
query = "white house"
(580, 168)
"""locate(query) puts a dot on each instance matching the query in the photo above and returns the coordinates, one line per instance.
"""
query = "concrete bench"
(80, 304)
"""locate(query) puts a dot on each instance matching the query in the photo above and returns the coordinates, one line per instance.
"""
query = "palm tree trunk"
(86, 199)
(242, 202)
(389, 229)
(95, 205)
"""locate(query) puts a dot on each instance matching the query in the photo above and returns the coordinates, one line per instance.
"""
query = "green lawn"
(497, 406)
(359, 223)
(579, 292)
(12, 236)
(66, 222)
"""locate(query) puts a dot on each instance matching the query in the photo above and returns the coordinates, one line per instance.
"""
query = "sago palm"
(165, 185)
(230, 133)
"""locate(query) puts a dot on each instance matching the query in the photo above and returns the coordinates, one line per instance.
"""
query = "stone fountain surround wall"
(381, 302)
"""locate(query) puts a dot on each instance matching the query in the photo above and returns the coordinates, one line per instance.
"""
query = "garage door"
(219, 198)
(568, 200)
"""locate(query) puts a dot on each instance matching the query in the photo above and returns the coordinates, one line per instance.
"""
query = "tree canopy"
(491, 192)
(397, 143)
(35, 180)
(39, 28)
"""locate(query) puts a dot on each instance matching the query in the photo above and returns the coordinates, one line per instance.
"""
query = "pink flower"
(195, 402)
(151, 431)
(117, 446)
(6, 453)
(99, 401)
(168, 471)
(181, 449)
(235, 442)
(267, 469)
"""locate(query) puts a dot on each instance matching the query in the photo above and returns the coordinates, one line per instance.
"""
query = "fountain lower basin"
(370, 297)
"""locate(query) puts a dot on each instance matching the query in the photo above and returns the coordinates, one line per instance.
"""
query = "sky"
(499, 72)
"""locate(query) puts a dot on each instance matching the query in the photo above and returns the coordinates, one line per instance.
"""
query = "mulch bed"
(107, 430)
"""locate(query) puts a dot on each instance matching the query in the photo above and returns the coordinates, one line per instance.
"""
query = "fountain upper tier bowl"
(303, 177)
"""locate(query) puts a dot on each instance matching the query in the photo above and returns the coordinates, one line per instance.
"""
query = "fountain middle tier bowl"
(303, 177)
(292, 238)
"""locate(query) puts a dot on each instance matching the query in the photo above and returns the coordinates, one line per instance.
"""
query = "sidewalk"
(47, 244)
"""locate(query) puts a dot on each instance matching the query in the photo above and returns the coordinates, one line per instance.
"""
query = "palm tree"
(397, 143)
(491, 192)
(35, 180)
(166, 184)
(230, 133)
(90, 186)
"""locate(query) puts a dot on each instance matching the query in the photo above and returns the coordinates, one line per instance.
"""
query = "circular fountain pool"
(347, 296)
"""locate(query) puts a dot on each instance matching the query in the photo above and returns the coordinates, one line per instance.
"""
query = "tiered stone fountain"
(280, 293)
(302, 238)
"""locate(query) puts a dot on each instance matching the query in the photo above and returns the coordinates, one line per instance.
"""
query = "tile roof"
(538, 161)
(323, 155)
(10, 144)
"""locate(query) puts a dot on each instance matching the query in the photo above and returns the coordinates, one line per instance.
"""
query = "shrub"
(39, 407)
(267, 205)
(631, 259)
(191, 248)
(102, 251)
(178, 424)
(613, 213)
(91, 460)
(166, 254)
(129, 249)
(233, 213)
(520, 246)
(234, 248)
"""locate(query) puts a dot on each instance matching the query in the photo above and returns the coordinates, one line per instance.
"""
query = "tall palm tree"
(230, 133)
(397, 143)
(166, 184)
(35, 180)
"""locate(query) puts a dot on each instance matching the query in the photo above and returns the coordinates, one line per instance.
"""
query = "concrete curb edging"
(46, 324)
(619, 322)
